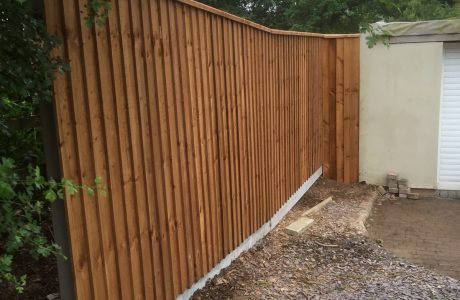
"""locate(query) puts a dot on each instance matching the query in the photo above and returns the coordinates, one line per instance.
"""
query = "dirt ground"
(332, 259)
(42, 279)
(425, 231)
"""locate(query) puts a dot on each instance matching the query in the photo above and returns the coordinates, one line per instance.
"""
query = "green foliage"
(24, 201)
(27, 72)
(375, 36)
(334, 16)
(26, 69)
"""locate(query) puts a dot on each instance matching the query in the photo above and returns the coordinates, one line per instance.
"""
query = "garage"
(410, 106)
(449, 125)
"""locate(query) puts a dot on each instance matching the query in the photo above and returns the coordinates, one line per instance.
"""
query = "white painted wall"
(399, 112)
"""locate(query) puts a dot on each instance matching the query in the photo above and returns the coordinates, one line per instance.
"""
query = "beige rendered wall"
(399, 112)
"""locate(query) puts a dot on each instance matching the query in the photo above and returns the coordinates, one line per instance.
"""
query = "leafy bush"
(26, 77)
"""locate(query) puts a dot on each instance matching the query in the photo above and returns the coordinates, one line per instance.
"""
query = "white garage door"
(449, 135)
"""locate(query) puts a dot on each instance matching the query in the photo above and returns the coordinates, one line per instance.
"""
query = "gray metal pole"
(53, 170)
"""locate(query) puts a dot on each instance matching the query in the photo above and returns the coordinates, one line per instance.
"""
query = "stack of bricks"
(403, 188)
(400, 187)
(392, 181)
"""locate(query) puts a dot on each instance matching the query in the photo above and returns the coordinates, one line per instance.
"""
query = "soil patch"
(330, 260)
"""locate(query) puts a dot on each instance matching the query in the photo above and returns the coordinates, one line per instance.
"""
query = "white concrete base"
(256, 236)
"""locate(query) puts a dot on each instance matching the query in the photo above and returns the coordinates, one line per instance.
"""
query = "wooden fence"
(341, 109)
(201, 124)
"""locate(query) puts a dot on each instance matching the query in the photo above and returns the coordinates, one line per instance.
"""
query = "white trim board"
(253, 238)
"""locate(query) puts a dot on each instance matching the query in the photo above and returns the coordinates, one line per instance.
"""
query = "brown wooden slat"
(204, 123)
(55, 15)
(339, 111)
(180, 84)
(96, 88)
(188, 78)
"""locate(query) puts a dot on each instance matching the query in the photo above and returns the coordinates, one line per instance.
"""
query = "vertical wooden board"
(230, 80)
(260, 128)
(251, 115)
(68, 151)
(241, 120)
(131, 155)
(298, 113)
(284, 140)
(201, 170)
(125, 148)
(172, 92)
(114, 177)
(354, 110)
(347, 101)
(144, 160)
(271, 122)
(161, 163)
(268, 100)
(245, 42)
(339, 110)
(182, 197)
(212, 143)
(214, 82)
(229, 93)
(303, 107)
(271, 132)
(168, 141)
(332, 109)
(316, 105)
(297, 110)
(310, 104)
(291, 115)
(255, 128)
(248, 97)
(263, 127)
(216, 24)
(277, 115)
(325, 99)
(179, 62)
(101, 209)
(188, 75)
(84, 152)
(135, 209)
(286, 118)
(235, 140)
(190, 207)
(226, 136)
(292, 100)
(204, 122)
(155, 198)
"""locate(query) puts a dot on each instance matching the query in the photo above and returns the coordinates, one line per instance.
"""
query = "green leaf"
(50, 195)
(90, 191)
(103, 192)
(98, 180)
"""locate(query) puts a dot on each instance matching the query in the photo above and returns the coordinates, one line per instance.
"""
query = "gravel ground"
(333, 259)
